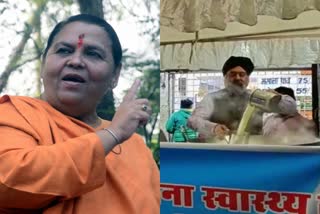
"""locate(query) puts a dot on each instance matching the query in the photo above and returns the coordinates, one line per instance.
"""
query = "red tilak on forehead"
(80, 40)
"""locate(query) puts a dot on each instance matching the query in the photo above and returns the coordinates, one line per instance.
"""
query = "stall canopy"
(202, 34)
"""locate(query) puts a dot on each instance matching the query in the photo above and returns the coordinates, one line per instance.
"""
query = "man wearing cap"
(288, 129)
(177, 123)
(219, 113)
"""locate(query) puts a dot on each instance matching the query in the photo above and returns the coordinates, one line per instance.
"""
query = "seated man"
(288, 128)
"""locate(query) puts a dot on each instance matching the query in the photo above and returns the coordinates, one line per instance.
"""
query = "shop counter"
(201, 178)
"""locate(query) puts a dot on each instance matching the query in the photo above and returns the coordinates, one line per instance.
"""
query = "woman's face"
(79, 68)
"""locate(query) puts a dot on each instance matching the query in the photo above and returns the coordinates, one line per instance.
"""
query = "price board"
(299, 81)
(301, 84)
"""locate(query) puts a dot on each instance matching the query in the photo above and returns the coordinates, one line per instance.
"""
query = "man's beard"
(236, 88)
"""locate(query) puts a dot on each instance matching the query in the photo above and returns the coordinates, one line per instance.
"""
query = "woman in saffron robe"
(56, 155)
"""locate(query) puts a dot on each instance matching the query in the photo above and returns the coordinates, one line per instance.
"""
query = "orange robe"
(51, 163)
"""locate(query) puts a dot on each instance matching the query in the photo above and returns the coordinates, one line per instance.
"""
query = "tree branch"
(128, 10)
(155, 122)
(17, 52)
(93, 7)
(16, 66)
(15, 57)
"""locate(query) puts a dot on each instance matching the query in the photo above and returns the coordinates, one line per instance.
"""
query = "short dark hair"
(89, 19)
(285, 90)
(235, 61)
(186, 103)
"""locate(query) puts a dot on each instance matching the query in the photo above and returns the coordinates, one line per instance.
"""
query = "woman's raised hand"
(131, 113)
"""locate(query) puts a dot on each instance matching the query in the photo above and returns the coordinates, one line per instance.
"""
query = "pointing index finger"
(132, 92)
